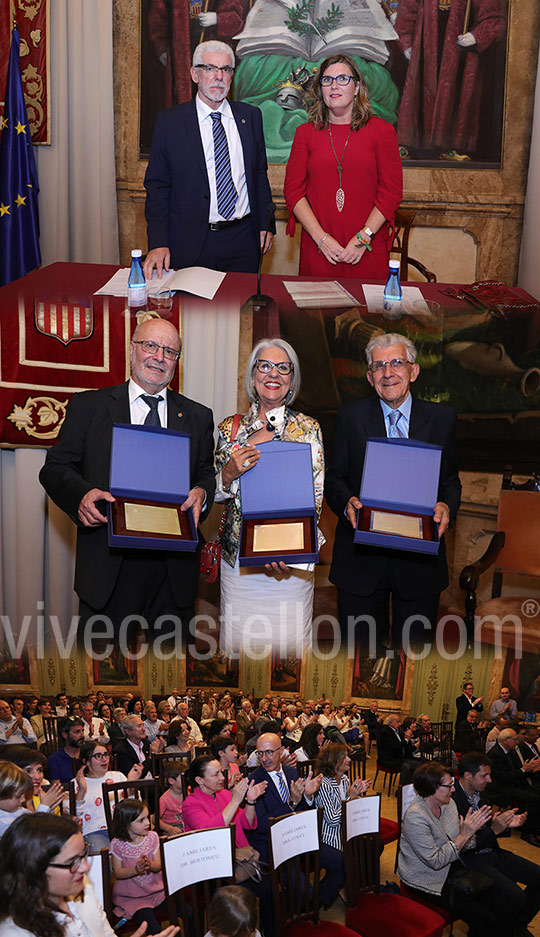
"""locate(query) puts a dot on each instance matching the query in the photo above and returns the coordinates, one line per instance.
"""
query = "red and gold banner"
(32, 18)
(57, 338)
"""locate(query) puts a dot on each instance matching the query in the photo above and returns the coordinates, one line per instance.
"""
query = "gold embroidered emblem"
(40, 417)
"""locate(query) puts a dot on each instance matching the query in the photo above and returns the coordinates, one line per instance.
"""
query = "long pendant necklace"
(340, 194)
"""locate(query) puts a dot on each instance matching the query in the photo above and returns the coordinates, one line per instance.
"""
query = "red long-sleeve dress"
(371, 176)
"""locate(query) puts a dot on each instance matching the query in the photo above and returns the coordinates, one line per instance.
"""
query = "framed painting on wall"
(435, 69)
(116, 673)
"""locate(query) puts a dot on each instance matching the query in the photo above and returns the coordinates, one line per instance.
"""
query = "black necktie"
(152, 417)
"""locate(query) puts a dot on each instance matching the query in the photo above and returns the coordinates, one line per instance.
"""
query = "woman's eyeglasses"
(75, 863)
(327, 80)
(264, 366)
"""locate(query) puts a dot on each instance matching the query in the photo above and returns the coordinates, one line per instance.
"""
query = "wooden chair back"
(52, 740)
(304, 767)
(403, 223)
(519, 518)
(147, 791)
(361, 852)
(192, 872)
(358, 766)
(295, 879)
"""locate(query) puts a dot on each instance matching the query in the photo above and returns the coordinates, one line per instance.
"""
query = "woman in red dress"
(344, 179)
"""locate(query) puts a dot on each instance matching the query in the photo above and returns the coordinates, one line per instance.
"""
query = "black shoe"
(531, 838)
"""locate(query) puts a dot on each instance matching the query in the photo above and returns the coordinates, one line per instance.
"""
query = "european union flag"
(19, 216)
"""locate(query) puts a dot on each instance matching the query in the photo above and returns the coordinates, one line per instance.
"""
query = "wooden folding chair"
(193, 866)
(370, 912)
(295, 867)
(147, 791)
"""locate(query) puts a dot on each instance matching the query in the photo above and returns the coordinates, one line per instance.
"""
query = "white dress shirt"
(236, 155)
(139, 410)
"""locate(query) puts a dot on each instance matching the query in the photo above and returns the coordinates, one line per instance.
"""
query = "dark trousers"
(142, 589)
(506, 870)
(377, 605)
(332, 863)
(234, 250)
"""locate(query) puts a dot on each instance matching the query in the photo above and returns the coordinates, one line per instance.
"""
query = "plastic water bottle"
(392, 290)
(136, 282)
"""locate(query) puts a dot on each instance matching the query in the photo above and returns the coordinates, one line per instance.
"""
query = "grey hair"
(506, 734)
(390, 338)
(212, 45)
(293, 358)
(129, 721)
(390, 718)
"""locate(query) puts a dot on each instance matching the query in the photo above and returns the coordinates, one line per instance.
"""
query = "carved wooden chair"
(400, 245)
(511, 621)
(370, 912)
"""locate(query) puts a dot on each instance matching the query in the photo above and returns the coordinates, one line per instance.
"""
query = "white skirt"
(262, 613)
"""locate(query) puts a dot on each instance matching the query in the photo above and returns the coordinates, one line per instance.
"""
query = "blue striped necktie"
(227, 195)
(284, 793)
(395, 431)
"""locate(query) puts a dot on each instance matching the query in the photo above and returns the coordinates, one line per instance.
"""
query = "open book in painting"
(327, 27)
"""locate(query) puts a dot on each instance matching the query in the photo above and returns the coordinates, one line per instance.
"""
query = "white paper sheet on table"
(374, 296)
(200, 281)
(329, 294)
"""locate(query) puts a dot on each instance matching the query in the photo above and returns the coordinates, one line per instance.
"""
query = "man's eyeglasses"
(264, 366)
(396, 364)
(269, 751)
(152, 348)
(214, 69)
(75, 863)
(327, 80)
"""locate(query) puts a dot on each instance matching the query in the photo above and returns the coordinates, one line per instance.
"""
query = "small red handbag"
(211, 552)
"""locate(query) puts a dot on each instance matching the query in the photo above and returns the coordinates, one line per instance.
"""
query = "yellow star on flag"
(21, 200)
(20, 128)
(3, 122)
(4, 209)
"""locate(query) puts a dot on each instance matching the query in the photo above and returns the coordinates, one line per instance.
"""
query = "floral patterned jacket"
(289, 426)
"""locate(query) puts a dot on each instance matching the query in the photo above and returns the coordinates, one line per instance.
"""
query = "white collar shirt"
(236, 155)
(138, 409)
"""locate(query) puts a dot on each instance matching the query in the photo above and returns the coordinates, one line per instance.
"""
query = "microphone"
(259, 302)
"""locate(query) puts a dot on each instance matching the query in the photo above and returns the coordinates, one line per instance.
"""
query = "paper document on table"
(329, 295)
(402, 525)
(200, 281)
(412, 303)
(151, 519)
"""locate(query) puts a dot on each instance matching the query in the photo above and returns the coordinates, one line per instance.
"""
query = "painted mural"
(435, 69)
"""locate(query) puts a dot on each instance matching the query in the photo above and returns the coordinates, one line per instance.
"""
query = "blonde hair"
(318, 112)
(13, 780)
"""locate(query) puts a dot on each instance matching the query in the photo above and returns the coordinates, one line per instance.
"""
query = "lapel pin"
(180, 414)
(243, 120)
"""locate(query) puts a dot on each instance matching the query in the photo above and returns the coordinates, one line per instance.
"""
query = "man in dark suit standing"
(466, 702)
(113, 583)
(512, 782)
(366, 577)
(208, 196)
(483, 852)
(285, 792)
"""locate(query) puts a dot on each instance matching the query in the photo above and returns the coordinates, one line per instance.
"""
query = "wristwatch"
(368, 231)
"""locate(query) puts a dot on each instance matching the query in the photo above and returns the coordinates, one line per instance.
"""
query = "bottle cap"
(136, 253)
(394, 265)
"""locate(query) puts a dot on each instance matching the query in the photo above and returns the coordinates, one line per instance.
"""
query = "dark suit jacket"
(506, 772)
(126, 757)
(468, 738)
(268, 806)
(464, 707)
(357, 568)
(176, 180)
(485, 837)
(390, 749)
(80, 461)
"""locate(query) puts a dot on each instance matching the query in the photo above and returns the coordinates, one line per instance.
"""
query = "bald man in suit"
(114, 582)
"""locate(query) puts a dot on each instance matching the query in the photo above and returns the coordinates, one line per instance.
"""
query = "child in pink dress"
(138, 887)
